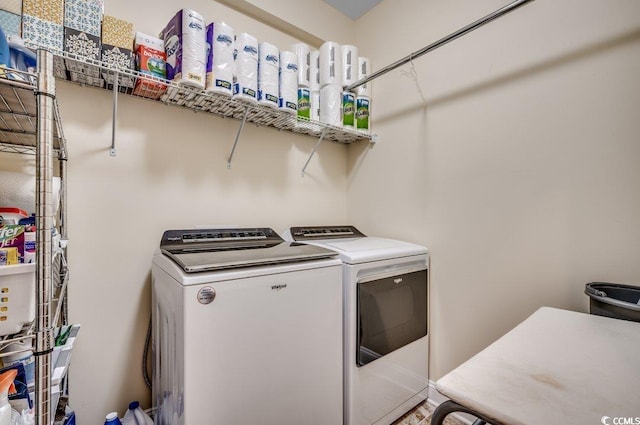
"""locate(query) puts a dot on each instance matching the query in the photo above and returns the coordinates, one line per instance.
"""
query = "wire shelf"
(18, 114)
(89, 72)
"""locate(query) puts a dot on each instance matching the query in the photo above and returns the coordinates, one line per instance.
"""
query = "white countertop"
(558, 367)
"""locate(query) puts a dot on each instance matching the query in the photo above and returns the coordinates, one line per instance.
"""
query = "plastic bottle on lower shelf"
(136, 416)
(6, 379)
(112, 419)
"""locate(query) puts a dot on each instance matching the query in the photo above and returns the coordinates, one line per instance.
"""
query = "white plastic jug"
(136, 416)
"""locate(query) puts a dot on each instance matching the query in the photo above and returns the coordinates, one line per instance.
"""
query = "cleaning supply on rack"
(111, 419)
(150, 60)
(6, 387)
(245, 80)
(136, 416)
(20, 399)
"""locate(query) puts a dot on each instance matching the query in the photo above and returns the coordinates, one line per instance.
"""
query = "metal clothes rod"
(473, 26)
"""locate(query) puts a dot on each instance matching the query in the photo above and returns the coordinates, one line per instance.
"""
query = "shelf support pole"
(315, 148)
(114, 122)
(235, 143)
(45, 97)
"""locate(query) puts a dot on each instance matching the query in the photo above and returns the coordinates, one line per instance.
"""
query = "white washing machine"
(386, 341)
(246, 330)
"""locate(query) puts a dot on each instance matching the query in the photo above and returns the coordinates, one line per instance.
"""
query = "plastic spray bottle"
(6, 386)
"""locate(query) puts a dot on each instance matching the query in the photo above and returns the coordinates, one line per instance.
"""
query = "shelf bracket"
(114, 122)
(315, 148)
(235, 143)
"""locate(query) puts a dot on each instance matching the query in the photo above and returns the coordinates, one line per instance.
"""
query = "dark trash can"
(614, 300)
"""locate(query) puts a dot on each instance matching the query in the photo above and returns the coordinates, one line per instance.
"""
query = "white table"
(558, 367)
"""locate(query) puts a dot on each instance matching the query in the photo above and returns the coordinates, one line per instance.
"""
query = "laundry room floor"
(421, 415)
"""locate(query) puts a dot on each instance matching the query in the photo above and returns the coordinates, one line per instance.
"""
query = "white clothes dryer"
(246, 330)
(385, 318)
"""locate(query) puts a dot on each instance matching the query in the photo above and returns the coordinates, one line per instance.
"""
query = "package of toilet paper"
(220, 49)
(186, 48)
(245, 80)
(268, 74)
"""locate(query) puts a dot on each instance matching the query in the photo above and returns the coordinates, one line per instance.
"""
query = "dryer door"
(392, 312)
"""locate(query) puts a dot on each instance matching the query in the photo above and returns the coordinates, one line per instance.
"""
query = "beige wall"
(520, 172)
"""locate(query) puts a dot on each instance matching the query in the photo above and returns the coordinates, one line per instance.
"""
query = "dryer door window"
(392, 312)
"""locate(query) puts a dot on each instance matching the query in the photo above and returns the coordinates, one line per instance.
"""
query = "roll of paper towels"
(330, 64)
(314, 71)
(364, 69)
(288, 100)
(315, 106)
(363, 109)
(268, 78)
(331, 104)
(220, 63)
(303, 52)
(348, 110)
(349, 64)
(245, 84)
(304, 102)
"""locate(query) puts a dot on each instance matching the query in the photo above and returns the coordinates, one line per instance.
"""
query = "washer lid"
(360, 250)
(198, 250)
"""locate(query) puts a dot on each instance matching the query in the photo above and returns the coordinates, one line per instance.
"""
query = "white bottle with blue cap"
(136, 416)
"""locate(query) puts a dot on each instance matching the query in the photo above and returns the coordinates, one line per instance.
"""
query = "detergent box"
(150, 60)
(12, 236)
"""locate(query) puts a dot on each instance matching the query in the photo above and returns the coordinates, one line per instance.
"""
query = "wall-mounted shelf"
(89, 72)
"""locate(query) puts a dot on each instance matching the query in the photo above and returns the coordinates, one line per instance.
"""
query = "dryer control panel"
(311, 233)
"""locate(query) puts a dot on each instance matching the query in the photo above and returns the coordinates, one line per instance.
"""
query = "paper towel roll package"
(314, 71)
(245, 85)
(220, 47)
(364, 69)
(363, 108)
(304, 103)
(288, 100)
(348, 110)
(330, 64)
(331, 104)
(349, 64)
(315, 106)
(186, 48)
(303, 52)
(268, 74)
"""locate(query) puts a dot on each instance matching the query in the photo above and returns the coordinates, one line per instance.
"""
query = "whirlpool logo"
(618, 420)
(278, 287)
